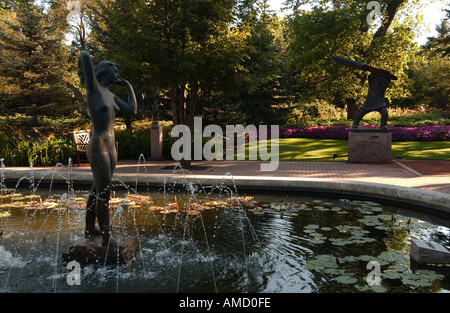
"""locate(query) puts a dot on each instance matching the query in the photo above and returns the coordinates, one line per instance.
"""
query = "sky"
(433, 14)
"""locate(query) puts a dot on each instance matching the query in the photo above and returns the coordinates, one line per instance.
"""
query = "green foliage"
(228, 61)
(18, 149)
(315, 36)
(45, 124)
(441, 43)
(132, 145)
(33, 62)
(320, 113)
(430, 84)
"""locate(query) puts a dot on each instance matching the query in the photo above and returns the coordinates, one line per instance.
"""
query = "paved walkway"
(428, 178)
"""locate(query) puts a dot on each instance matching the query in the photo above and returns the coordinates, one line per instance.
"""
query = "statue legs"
(91, 213)
(361, 113)
(384, 117)
(359, 116)
(97, 205)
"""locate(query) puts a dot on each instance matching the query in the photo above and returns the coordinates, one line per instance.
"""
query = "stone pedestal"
(369, 145)
(156, 141)
(427, 252)
(90, 250)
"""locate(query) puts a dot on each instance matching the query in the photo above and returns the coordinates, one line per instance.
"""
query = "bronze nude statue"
(379, 80)
(101, 153)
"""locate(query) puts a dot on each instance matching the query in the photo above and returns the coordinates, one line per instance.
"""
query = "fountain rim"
(425, 201)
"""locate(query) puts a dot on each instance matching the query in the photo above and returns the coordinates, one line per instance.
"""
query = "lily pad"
(392, 256)
(429, 274)
(390, 274)
(311, 226)
(398, 268)
(367, 258)
(415, 281)
(377, 288)
(347, 279)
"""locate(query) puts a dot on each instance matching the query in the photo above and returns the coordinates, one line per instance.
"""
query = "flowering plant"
(423, 133)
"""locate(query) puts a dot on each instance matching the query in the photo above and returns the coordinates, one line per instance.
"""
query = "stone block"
(156, 141)
(90, 250)
(369, 146)
(427, 252)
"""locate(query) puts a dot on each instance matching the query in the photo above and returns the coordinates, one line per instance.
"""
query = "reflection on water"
(211, 242)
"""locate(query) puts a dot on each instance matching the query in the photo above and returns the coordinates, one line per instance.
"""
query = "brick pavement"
(431, 175)
(425, 175)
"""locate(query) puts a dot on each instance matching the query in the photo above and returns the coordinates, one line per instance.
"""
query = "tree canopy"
(33, 61)
(231, 60)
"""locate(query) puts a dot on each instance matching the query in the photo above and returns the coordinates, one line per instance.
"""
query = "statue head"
(106, 72)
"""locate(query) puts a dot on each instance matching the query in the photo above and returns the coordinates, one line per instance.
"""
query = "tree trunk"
(193, 104)
(173, 99)
(387, 21)
(352, 108)
(183, 104)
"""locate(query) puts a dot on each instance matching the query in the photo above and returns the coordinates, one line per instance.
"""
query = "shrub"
(22, 150)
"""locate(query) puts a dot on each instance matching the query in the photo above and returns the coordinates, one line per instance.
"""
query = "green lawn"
(322, 150)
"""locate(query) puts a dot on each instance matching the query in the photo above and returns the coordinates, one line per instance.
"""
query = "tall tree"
(340, 27)
(441, 43)
(33, 62)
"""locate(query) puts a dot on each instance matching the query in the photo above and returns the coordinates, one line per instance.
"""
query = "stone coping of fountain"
(437, 202)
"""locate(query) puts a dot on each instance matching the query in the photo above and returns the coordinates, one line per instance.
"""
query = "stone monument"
(427, 252)
(103, 105)
(156, 135)
(370, 145)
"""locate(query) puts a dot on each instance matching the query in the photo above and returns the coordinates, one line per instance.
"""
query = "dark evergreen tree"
(33, 62)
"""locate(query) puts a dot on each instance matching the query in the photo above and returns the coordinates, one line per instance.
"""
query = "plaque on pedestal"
(90, 250)
(369, 145)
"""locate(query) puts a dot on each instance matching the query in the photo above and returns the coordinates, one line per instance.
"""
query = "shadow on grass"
(323, 150)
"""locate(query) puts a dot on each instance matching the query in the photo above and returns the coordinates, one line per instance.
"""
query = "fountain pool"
(212, 240)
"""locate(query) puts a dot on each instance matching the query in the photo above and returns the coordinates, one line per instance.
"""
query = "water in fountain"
(196, 238)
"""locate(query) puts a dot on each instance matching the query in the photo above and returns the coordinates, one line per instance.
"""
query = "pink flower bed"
(423, 133)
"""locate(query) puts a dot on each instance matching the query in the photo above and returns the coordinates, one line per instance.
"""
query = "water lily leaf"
(364, 211)
(333, 271)
(416, 282)
(383, 227)
(317, 241)
(367, 258)
(429, 274)
(349, 258)
(385, 217)
(377, 288)
(398, 268)
(362, 286)
(346, 280)
(392, 256)
(389, 274)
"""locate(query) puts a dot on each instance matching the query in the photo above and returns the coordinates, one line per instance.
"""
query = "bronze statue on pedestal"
(101, 153)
